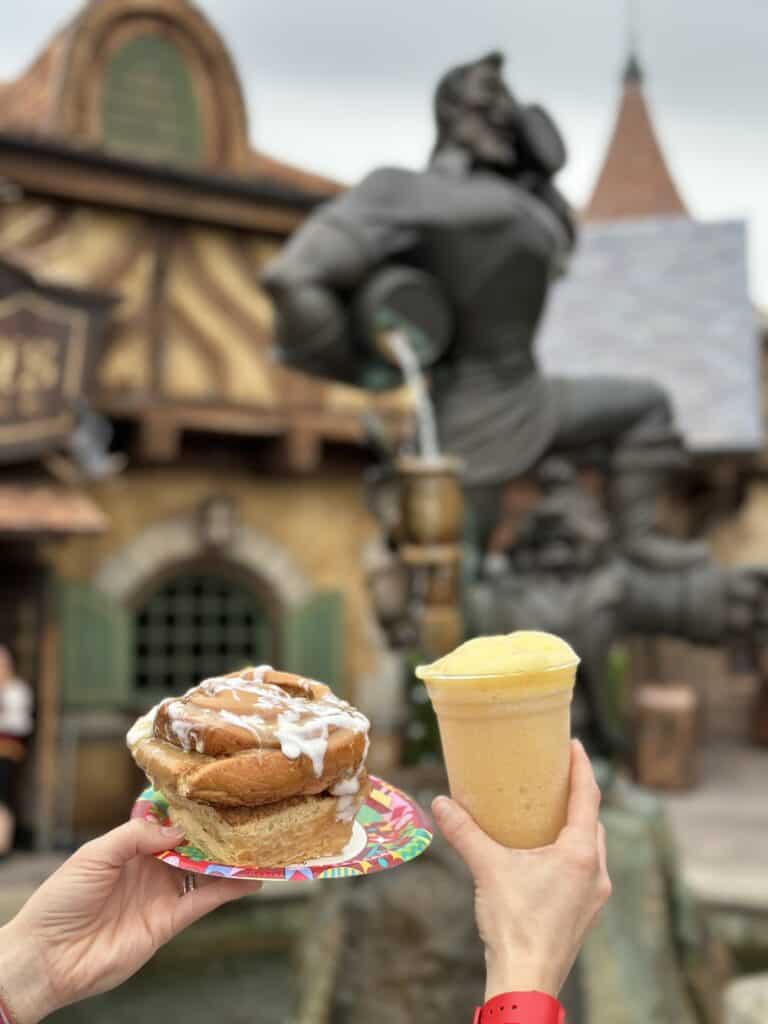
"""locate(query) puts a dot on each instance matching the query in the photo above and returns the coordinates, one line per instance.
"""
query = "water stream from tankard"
(403, 353)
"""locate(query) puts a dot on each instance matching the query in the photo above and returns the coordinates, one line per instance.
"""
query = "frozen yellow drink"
(503, 704)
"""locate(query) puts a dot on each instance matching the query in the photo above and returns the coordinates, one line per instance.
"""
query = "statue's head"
(567, 531)
(475, 109)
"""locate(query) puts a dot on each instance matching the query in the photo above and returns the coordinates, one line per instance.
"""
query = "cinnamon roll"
(259, 767)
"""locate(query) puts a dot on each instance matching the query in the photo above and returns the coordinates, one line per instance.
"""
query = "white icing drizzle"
(216, 684)
(346, 787)
(185, 732)
(143, 727)
(348, 792)
(346, 808)
(252, 723)
(300, 724)
(311, 736)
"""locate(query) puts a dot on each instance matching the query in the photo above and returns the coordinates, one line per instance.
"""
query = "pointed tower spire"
(634, 180)
(633, 72)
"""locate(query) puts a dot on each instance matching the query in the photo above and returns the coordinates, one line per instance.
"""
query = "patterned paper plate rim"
(395, 828)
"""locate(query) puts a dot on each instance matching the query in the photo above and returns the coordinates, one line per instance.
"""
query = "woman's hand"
(99, 918)
(534, 907)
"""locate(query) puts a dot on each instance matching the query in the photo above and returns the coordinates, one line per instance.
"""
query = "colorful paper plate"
(389, 831)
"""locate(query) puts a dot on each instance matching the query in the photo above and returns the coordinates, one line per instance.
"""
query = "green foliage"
(618, 695)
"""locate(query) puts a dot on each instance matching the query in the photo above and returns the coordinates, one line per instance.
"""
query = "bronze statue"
(565, 574)
(485, 223)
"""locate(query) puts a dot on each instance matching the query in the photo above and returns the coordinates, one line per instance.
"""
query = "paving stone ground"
(721, 827)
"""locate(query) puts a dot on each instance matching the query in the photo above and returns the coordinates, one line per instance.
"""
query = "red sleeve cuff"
(520, 1008)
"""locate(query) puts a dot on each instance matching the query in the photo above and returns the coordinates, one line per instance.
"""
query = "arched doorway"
(201, 619)
(162, 612)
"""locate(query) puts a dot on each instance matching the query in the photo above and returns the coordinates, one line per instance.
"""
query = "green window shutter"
(313, 639)
(96, 647)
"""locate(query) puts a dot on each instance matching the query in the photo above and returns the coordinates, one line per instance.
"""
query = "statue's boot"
(640, 468)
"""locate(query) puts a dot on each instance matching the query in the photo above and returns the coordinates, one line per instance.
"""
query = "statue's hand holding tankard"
(310, 325)
(319, 263)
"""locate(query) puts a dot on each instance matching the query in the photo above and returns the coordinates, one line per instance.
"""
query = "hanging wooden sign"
(49, 338)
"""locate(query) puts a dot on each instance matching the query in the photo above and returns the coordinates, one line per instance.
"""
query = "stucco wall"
(312, 531)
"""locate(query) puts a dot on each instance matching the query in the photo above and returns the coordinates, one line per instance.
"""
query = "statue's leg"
(634, 419)
(483, 508)
(611, 410)
(642, 464)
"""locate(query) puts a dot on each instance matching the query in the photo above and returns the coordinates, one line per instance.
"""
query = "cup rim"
(499, 675)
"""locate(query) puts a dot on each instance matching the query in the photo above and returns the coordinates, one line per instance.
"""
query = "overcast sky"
(344, 85)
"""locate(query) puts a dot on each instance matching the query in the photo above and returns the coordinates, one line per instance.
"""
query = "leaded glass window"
(149, 106)
(200, 624)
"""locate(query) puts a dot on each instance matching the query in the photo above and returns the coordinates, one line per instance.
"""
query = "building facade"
(234, 532)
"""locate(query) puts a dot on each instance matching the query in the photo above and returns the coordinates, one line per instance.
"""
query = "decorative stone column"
(432, 523)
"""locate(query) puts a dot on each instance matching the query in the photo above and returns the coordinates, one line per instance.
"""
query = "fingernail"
(441, 806)
(172, 832)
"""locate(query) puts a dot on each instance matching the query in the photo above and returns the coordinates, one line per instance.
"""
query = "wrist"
(24, 988)
(509, 973)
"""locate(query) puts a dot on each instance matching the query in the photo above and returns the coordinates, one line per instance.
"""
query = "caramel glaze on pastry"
(252, 738)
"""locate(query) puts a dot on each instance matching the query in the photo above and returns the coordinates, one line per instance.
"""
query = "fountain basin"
(431, 502)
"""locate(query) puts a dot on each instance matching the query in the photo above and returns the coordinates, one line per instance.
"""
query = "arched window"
(198, 623)
(149, 107)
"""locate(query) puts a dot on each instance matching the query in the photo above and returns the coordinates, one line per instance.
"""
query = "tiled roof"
(265, 166)
(634, 180)
(665, 298)
(33, 509)
(28, 105)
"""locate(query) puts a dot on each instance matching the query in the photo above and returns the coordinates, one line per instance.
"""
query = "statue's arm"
(546, 191)
(322, 264)
(705, 604)
(690, 604)
(311, 322)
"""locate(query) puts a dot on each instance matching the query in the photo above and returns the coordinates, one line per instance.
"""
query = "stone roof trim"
(282, 173)
(298, 189)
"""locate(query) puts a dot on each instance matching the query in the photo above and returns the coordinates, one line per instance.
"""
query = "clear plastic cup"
(506, 742)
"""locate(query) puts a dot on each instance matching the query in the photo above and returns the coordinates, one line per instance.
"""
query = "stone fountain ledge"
(721, 829)
(746, 1000)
